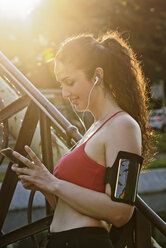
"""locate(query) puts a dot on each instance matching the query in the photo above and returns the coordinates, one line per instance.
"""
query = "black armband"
(123, 177)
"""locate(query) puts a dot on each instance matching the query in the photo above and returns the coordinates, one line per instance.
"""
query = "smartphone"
(8, 153)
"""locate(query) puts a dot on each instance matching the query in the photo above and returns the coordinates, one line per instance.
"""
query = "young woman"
(102, 76)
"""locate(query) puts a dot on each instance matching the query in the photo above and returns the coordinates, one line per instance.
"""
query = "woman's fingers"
(25, 177)
(24, 160)
(15, 166)
(34, 175)
(20, 170)
(28, 182)
(33, 156)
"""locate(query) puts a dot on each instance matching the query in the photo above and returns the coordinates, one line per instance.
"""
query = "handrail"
(34, 94)
(150, 214)
(26, 231)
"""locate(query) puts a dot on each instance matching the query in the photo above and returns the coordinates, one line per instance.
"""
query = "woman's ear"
(99, 73)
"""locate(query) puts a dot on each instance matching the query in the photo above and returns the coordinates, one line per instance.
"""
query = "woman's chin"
(79, 108)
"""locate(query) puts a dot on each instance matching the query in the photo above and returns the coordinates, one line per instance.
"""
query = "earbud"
(96, 81)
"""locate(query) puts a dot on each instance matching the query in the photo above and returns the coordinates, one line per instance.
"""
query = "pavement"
(151, 181)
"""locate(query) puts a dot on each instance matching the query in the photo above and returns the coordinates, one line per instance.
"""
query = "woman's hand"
(25, 183)
(35, 175)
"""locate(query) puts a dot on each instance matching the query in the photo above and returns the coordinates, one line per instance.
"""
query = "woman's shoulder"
(124, 121)
(124, 133)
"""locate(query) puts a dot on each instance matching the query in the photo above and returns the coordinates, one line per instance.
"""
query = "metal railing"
(135, 234)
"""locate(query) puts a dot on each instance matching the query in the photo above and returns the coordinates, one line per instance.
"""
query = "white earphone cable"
(81, 121)
(89, 96)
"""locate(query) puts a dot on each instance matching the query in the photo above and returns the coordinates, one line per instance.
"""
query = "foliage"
(143, 22)
(157, 163)
(161, 142)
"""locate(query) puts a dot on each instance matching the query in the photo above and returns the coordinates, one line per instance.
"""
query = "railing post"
(10, 181)
(142, 231)
(46, 146)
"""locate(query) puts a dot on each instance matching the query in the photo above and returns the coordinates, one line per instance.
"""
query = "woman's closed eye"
(71, 83)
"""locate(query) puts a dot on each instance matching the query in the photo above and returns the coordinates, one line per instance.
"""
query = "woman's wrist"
(55, 186)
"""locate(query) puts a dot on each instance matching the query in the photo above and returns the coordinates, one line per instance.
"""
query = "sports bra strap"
(104, 124)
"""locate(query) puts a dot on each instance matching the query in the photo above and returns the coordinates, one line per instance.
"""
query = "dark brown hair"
(123, 76)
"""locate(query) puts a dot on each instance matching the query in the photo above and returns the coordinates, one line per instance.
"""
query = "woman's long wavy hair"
(123, 77)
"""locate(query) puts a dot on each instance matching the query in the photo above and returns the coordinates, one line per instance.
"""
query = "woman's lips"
(75, 101)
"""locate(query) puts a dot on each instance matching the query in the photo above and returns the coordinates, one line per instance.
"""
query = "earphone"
(96, 81)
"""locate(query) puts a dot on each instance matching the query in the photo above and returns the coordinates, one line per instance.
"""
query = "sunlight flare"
(17, 9)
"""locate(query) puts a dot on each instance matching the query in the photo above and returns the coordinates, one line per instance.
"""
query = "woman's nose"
(65, 94)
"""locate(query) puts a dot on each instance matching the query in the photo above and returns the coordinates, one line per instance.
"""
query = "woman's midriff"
(66, 218)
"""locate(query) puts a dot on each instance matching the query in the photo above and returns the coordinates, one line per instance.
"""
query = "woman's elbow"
(121, 220)
(122, 217)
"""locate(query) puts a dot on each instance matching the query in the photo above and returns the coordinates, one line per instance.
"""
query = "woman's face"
(74, 83)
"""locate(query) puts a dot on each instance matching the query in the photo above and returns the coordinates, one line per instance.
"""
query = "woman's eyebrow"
(63, 79)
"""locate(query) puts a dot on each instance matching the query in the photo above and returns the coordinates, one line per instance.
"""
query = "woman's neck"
(103, 107)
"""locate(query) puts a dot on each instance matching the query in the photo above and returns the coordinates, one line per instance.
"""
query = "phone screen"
(127, 176)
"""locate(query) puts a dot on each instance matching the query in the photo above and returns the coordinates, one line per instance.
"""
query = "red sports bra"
(76, 167)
